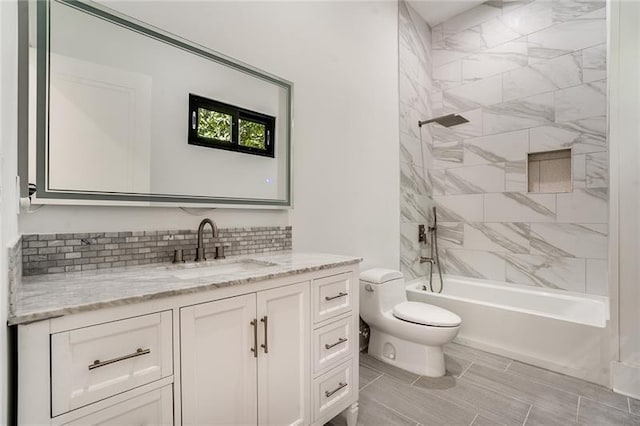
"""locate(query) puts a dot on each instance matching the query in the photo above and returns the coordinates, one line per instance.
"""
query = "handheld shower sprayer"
(434, 256)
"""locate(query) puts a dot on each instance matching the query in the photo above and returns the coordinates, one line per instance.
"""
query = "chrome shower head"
(446, 120)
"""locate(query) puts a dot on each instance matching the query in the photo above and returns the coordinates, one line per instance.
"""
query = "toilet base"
(419, 359)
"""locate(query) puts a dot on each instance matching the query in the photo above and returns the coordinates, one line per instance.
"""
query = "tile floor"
(485, 389)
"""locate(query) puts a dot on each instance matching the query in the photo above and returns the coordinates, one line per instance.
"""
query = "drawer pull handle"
(97, 363)
(254, 349)
(339, 342)
(265, 345)
(339, 295)
(340, 386)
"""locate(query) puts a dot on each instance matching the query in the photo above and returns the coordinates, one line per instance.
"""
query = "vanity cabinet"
(245, 359)
(280, 351)
(152, 408)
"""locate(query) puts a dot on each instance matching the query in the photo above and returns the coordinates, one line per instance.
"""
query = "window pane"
(214, 125)
(253, 134)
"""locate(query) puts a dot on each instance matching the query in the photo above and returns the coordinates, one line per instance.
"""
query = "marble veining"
(545, 76)
(545, 271)
(583, 136)
(493, 61)
(518, 114)
(419, 95)
(497, 237)
(475, 179)
(530, 75)
(47, 296)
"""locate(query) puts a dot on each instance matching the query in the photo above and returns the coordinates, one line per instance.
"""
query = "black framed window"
(215, 124)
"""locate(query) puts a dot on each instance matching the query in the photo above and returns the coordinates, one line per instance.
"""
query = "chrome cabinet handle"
(339, 295)
(97, 363)
(340, 386)
(254, 349)
(340, 341)
(265, 346)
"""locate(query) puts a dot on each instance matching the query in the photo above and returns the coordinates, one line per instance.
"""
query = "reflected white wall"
(343, 60)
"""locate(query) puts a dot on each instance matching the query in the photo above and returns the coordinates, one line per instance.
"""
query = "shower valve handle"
(422, 235)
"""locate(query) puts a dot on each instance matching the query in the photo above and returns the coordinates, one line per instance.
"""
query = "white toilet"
(409, 335)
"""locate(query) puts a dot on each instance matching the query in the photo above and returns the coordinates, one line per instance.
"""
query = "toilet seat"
(425, 314)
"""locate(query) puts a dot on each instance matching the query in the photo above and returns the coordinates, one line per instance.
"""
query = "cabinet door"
(283, 362)
(151, 409)
(218, 367)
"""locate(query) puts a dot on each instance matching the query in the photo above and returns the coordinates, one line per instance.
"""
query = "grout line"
(527, 416)
(465, 370)
(508, 365)
(362, 388)
(412, 383)
(396, 411)
(474, 419)
(578, 408)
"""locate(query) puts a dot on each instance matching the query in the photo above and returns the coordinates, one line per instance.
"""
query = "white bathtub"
(562, 331)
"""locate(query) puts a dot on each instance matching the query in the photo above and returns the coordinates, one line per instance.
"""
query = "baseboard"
(625, 379)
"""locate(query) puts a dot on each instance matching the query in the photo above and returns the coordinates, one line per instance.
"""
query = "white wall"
(625, 157)
(342, 58)
(8, 166)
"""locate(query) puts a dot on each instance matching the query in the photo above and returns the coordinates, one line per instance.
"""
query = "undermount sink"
(190, 271)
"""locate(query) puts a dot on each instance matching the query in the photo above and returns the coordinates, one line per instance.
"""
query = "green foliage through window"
(214, 125)
(252, 134)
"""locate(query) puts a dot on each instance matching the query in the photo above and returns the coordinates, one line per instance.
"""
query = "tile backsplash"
(71, 252)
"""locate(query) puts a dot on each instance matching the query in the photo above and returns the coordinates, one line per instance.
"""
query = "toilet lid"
(422, 313)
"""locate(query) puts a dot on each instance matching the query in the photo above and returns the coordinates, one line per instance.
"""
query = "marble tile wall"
(416, 91)
(530, 76)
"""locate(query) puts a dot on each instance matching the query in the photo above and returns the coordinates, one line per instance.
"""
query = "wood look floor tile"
(491, 405)
(570, 384)
(416, 403)
(542, 417)
(395, 372)
(371, 413)
(477, 356)
(367, 375)
(594, 413)
(455, 366)
(634, 406)
(562, 404)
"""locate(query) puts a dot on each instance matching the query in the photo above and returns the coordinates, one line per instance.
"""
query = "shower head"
(446, 120)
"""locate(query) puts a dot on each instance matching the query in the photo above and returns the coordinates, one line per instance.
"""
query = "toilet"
(408, 335)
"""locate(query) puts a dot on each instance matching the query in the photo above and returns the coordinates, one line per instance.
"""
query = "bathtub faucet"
(431, 260)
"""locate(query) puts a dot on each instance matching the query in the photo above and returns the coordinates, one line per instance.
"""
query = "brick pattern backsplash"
(72, 252)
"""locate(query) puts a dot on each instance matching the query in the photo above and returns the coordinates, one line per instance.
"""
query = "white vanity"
(270, 340)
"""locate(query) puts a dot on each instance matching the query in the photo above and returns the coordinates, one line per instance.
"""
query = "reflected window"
(215, 124)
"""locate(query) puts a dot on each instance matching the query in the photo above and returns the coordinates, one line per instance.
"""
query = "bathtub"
(558, 330)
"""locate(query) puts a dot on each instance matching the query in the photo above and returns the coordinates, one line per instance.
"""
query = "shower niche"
(549, 171)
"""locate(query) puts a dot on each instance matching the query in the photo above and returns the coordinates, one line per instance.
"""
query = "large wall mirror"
(122, 112)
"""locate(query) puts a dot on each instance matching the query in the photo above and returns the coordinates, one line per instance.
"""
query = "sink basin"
(209, 269)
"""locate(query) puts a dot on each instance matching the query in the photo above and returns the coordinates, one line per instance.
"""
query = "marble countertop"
(42, 297)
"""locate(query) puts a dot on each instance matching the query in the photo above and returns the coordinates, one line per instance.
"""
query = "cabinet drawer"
(332, 344)
(332, 296)
(93, 363)
(152, 408)
(332, 388)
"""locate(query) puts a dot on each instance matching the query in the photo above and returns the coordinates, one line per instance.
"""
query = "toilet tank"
(380, 290)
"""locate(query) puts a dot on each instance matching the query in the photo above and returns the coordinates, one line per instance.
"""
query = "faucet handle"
(220, 252)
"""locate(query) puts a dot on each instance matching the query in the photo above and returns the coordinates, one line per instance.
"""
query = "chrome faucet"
(200, 249)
